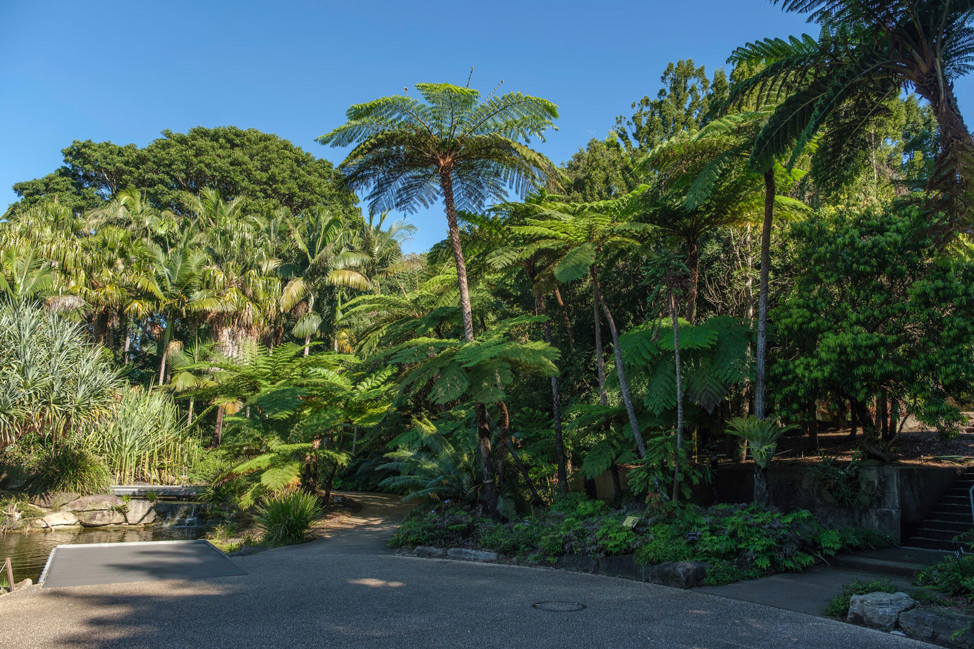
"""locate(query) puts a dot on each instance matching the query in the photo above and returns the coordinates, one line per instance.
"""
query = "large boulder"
(56, 520)
(140, 512)
(99, 502)
(677, 574)
(465, 554)
(939, 626)
(879, 610)
(100, 518)
(53, 500)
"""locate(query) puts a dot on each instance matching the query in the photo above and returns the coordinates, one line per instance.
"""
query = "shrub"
(952, 576)
(69, 468)
(287, 518)
(839, 606)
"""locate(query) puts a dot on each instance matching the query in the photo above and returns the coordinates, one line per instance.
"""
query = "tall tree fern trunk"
(693, 262)
(620, 369)
(762, 343)
(164, 351)
(560, 460)
(599, 352)
(679, 397)
(564, 315)
(483, 429)
(954, 170)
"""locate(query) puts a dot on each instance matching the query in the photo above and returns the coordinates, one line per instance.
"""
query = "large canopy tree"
(454, 146)
(868, 52)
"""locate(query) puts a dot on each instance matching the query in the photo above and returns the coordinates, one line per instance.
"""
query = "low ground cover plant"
(286, 518)
(738, 541)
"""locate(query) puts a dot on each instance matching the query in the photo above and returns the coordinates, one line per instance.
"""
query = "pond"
(29, 550)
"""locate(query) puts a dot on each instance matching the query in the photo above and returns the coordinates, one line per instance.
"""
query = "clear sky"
(124, 71)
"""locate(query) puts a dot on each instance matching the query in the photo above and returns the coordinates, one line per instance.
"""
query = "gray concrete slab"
(116, 563)
(806, 592)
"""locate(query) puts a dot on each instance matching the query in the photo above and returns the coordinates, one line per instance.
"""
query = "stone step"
(958, 508)
(922, 543)
(938, 523)
(935, 533)
(961, 518)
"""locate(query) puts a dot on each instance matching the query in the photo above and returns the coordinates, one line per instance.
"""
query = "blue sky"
(124, 71)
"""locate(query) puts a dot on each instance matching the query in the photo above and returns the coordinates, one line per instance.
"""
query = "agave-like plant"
(761, 436)
(53, 382)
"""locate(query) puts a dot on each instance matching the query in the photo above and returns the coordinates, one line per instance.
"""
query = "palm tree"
(456, 146)
(868, 52)
(173, 288)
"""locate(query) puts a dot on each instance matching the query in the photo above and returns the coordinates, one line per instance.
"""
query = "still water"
(29, 550)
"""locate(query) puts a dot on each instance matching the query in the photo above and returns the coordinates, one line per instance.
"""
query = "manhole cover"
(561, 607)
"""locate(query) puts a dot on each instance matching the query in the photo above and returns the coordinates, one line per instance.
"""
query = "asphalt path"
(349, 590)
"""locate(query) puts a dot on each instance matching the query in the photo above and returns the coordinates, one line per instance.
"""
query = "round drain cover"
(559, 606)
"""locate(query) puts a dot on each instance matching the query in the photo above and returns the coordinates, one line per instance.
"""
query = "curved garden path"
(349, 590)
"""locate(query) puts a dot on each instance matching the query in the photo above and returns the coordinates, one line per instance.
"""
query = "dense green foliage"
(745, 253)
(952, 576)
(286, 518)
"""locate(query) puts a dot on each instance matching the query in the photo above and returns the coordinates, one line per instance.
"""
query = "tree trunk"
(679, 397)
(956, 147)
(620, 369)
(503, 437)
(761, 494)
(483, 430)
(599, 353)
(693, 263)
(128, 345)
(568, 322)
(307, 344)
(882, 414)
(616, 482)
(853, 421)
(218, 431)
(555, 408)
(762, 342)
(189, 416)
(164, 352)
(535, 496)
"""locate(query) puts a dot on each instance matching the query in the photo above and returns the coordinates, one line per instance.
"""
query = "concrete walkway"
(350, 591)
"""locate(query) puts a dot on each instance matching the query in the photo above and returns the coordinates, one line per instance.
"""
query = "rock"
(879, 610)
(677, 574)
(620, 565)
(100, 502)
(429, 552)
(58, 519)
(54, 500)
(465, 554)
(938, 625)
(100, 518)
(579, 562)
(26, 583)
(140, 512)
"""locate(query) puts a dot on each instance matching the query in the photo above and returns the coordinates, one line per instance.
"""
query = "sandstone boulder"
(939, 626)
(879, 610)
(465, 554)
(140, 512)
(56, 520)
(429, 552)
(677, 574)
(98, 502)
(100, 518)
(54, 500)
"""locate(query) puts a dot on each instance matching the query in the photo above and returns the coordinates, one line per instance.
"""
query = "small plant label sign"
(630, 522)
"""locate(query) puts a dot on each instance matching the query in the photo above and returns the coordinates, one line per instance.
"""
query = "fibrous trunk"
(762, 343)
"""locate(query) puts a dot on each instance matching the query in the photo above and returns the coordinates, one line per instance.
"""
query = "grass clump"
(70, 468)
(286, 518)
(839, 605)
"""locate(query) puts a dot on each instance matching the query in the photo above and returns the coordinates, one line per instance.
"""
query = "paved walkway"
(350, 591)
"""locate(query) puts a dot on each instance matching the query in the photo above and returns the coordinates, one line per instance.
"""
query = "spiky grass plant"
(286, 518)
(145, 441)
